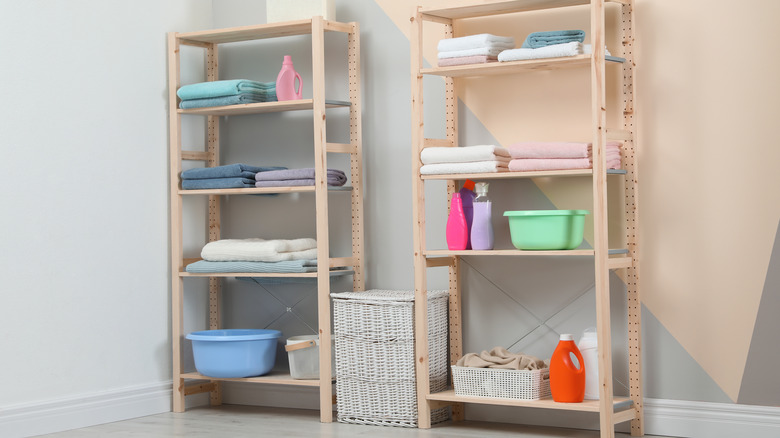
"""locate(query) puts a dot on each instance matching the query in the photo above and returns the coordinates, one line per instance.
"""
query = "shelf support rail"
(631, 196)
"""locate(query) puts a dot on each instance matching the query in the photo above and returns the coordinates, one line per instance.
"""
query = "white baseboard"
(88, 410)
(676, 418)
(681, 418)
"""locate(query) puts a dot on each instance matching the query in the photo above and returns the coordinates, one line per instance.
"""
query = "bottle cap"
(482, 188)
(567, 337)
(469, 184)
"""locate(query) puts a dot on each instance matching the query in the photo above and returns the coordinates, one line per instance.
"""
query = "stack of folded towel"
(536, 156)
(231, 176)
(229, 92)
(297, 177)
(472, 49)
(551, 44)
(466, 159)
(257, 255)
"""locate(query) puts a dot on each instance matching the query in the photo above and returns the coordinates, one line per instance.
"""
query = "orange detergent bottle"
(567, 380)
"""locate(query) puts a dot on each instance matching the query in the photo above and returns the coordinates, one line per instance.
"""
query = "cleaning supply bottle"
(285, 82)
(457, 229)
(482, 224)
(588, 346)
(467, 198)
(567, 381)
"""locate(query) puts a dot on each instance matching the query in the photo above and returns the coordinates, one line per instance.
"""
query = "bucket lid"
(546, 213)
(234, 335)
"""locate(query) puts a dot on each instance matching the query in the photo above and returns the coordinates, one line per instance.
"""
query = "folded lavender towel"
(335, 176)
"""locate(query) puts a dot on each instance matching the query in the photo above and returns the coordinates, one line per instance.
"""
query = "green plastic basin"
(546, 229)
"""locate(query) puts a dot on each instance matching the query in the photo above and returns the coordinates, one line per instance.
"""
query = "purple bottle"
(482, 225)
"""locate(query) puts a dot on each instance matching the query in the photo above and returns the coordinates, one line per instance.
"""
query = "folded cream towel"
(259, 250)
(556, 149)
(463, 154)
(472, 167)
(555, 51)
(499, 357)
(475, 42)
(466, 60)
(484, 51)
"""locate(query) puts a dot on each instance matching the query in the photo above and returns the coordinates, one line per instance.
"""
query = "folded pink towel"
(538, 164)
(538, 149)
(463, 60)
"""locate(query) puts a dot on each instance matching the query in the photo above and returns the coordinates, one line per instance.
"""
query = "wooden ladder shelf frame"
(210, 41)
(612, 410)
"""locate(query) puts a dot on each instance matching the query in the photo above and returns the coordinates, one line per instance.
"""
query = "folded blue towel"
(227, 100)
(217, 183)
(227, 171)
(291, 266)
(232, 87)
(543, 39)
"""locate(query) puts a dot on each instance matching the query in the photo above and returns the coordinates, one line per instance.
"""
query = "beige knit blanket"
(499, 357)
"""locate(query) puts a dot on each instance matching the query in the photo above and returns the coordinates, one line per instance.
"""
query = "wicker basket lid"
(387, 295)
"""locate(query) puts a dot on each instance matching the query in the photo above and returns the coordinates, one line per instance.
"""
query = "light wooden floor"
(249, 421)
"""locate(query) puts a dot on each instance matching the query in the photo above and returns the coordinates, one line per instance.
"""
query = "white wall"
(84, 241)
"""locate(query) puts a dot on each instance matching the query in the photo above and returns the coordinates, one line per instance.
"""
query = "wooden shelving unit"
(188, 383)
(612, 410)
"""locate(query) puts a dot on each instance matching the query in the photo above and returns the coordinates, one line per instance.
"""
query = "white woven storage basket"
(501, 383)
(375, 371)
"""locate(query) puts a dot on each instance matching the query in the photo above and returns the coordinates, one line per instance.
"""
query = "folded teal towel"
(544, 39)
(226, 100)
(231, 87)
(291, 266)
(237, 170)
(217, 183)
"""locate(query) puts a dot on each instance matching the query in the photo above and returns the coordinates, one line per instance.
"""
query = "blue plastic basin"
(234, 353)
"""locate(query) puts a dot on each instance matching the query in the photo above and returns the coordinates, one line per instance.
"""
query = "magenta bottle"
(482, 224)
(285, 82)
(467, 198)
(457, 229)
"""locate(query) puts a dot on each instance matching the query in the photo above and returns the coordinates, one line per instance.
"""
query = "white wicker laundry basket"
(375, 376)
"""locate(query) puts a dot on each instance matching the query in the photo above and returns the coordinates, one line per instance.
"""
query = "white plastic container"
(588, 346)
(304, 355)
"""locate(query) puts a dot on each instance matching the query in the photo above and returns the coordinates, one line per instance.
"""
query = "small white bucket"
(304, 355)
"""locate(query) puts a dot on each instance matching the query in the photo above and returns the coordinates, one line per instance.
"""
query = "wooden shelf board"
(513, 175)
(262, 107)
(517, 252)
(481, 9)
(502, 68)
(547, 403)
(258, 32)
(272, 378)
(261, 190)
(334, 273)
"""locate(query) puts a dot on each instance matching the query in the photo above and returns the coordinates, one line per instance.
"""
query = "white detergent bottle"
(588, 346)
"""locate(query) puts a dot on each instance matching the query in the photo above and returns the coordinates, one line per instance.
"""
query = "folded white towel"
(463, 154)
(587, 49)
(484, 51)
(259, 250)
(475, 42)
(472, 167)
(554, 51)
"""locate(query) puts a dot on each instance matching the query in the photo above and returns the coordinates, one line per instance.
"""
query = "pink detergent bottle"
(457, 228)
(285, 82)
